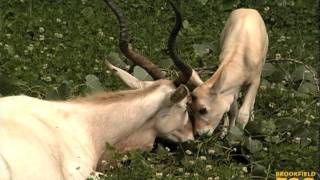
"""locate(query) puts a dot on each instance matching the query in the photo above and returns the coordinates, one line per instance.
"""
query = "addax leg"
(230, 118)
(248, 103)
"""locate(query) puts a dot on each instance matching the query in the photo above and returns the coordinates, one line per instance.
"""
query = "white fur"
(47, 140)
(185, 132)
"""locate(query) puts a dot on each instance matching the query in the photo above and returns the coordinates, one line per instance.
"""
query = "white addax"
(66, 140)
(44, 140)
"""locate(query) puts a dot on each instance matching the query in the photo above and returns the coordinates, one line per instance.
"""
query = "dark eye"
(203, 110)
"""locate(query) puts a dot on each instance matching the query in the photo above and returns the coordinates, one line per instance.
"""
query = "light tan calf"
(244, 44)
(44, 140)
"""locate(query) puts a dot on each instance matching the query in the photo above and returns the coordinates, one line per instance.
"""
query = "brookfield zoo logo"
(295, 175)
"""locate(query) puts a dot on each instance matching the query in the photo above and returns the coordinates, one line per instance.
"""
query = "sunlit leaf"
(10, 50)
(307, 87)
(7, 86)
(259, 170)
(229, 4)
(141, 74)
(115, 59)
(235, 135)
(87, 12)
(93, 83)
(301, 73)
(252, 145)
(64, 90)
(268, 69)
(202, 49)
(203, 2)
(52, 94)
(186, 24)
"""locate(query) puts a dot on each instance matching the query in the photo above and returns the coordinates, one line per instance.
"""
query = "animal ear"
(195, 80)
(215, 89)
(181, 92)
(127, 78)
(217, 86)
(225, 83)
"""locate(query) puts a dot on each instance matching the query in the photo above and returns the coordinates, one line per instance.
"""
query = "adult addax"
(46, 140)
(185, 132)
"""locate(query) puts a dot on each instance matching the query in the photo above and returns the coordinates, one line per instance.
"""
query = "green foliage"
(57, 49)
(141, 74)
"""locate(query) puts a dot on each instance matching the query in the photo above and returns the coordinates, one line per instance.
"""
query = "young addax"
(244, 44)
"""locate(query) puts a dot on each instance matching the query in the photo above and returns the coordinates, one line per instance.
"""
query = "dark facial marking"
(203, 110)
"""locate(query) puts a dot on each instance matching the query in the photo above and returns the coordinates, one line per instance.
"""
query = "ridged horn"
(136, 58)
(186, 70)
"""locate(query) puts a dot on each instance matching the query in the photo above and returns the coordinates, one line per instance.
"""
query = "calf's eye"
(203, 110)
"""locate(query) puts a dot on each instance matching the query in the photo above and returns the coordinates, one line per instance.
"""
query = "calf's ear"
(180, 93)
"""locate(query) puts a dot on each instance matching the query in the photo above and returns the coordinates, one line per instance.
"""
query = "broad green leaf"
(229, 4)
(307, 87)
(115, 59)
(141, 74)
(273, 139)
(235, 135)
(165, 63)
(93, 83)
(268, 69)
(202, 49)
(261, 127)
(64, 90)
(10, 50)
(186, 24)
(87, 12)
(259, 170)
(267, 127)
(277, 76)
(52, 94)
(301, 73)
(59, 93)
(7, 86)
(203, 2)
(252, 145)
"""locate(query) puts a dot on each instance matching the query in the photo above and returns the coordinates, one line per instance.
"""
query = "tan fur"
(244, 43)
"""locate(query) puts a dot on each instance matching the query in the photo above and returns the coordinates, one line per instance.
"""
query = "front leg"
(234, 111)
(230, 118)
(248, 103)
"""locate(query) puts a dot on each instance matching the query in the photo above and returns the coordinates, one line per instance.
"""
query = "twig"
(200, 70)
(268, 172)
(206, 68)
(314, 74)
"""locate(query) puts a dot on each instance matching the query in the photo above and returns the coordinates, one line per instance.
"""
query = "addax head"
(172, 120)
(207, 105)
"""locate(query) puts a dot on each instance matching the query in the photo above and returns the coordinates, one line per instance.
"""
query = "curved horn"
(184, 68)
(136, 58)
(188, 75)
